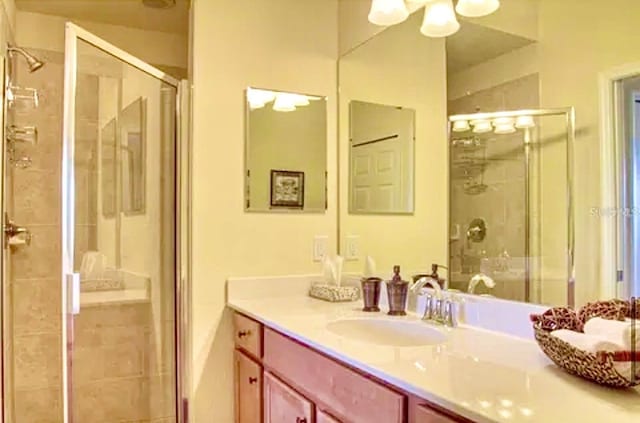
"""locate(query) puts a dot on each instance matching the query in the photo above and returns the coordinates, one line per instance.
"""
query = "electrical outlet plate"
(320, 245)
(352, 247)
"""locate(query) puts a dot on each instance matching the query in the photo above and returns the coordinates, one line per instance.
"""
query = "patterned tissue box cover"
(334, 294)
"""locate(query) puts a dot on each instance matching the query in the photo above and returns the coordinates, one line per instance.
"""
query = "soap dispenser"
(397, 290)
(434, 275)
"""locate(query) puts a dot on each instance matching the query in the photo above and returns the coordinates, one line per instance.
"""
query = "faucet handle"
(428, 307)
(450, 312)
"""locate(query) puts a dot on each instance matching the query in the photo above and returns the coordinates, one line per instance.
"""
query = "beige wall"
(288, 45)
(151, 46)
(578, 40)
(386, 70)
(503, 69)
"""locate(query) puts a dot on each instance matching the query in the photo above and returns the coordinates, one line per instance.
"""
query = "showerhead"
(32, 62)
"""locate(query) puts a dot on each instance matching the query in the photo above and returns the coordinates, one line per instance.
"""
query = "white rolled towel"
(619, 332)
(585, 342)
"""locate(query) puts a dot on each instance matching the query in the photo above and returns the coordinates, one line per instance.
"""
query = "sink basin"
(396, 333)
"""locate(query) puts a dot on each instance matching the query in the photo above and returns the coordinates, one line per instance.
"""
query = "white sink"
(397, 333)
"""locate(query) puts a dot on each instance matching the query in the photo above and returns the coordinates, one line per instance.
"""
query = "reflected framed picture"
(287, 189)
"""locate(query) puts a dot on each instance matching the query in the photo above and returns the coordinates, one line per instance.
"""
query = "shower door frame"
(70, 292)
(569, 115)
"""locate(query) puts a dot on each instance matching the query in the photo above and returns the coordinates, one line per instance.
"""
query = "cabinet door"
(248, 375)
(282, 404)
(322, 417)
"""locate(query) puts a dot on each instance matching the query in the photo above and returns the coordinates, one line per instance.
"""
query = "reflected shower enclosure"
(511, 211)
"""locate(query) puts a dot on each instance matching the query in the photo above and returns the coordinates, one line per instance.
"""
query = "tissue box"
(333, 293)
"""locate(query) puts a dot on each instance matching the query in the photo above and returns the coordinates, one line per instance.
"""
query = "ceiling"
(131, 13)
(474, 44)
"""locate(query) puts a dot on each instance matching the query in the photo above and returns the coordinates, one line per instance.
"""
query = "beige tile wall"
(502, 204)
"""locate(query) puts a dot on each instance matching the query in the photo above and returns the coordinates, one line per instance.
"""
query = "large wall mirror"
(286, 152)
(381, 165)
(500, 194)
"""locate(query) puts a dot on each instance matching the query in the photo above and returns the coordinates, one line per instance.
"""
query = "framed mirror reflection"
(285, 152)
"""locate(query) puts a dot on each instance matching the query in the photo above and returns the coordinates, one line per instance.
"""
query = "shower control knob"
(15, 234)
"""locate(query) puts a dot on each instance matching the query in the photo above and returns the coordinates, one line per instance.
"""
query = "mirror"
(108, 170)
(381, 158)
(286, 152)
(133, 150)
(494, 199)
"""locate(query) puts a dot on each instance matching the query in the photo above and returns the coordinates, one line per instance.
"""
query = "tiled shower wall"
(502, 205)
(118, 374)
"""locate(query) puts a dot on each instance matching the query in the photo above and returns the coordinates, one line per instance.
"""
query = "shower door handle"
(73, 293)
(15, 234)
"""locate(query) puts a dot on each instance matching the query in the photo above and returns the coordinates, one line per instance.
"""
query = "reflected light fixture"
(300, 100)
(439, 19)
(258, 98)
(525, 122)
(461, 126)
(285, 102)
(477, 8)
(388, 12)
(505, 128)
(481, 126)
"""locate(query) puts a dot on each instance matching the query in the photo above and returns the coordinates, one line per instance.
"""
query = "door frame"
(69, 295)
(610, 145)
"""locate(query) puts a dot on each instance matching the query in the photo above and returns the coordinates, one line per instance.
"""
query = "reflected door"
(119, 236)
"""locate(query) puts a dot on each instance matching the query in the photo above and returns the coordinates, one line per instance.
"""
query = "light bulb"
(503, 121)
(477, 8)
(525, 122)
(461, 126)
(505, 129)
(388, 12)
(285, 102)
(300, 100)
(439, 19)
(258, 98)
(481, 126)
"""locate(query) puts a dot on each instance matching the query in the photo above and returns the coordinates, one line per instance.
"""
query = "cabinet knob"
(301, 420)
(253, 380)
(243, 333)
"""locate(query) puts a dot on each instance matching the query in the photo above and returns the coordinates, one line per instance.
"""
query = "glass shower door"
(119, 236)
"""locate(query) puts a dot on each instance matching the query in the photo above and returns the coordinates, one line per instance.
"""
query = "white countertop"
(482, 375)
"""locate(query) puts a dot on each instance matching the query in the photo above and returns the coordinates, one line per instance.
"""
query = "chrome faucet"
(437, 309)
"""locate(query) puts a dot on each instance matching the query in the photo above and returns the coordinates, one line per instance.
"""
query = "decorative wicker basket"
(598, 367)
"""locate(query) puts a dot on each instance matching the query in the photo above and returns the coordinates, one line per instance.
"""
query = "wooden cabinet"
(322, 417)
(248, 335)
(349, 395)
(248, 386)
(282, 404)
(280, 380)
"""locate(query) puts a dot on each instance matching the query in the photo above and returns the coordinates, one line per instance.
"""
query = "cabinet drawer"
(350, 396)
(282, 404)
(248, 335)
(420, 411)
(248, 384)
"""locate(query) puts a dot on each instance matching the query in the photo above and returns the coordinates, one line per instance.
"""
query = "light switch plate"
(352, 247)
(320, 245)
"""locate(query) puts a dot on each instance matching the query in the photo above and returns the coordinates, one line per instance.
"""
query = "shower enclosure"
(93, 288)
(511, 210)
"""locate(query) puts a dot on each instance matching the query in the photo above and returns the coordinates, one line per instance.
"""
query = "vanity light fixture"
(388, 12)
(285, 102)
(481, 126)
(477, 8)
(259, 98)
(439, 15)
(461, 126)
(525, 122)
(439, 19)
(504, 129)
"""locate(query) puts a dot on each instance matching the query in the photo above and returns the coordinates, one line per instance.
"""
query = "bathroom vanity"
(283, 379)
(303, 360)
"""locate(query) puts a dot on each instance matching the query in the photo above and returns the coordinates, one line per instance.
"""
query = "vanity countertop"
(482, 375)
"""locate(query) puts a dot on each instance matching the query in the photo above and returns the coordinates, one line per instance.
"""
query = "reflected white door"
(377, 170)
